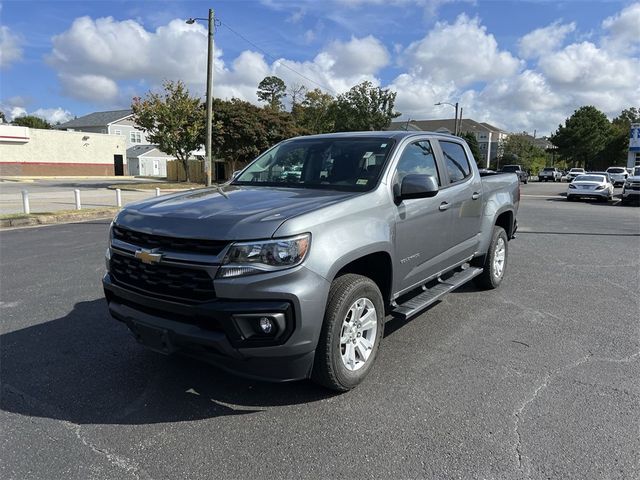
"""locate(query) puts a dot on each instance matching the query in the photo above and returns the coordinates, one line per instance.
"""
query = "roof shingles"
(96, 119)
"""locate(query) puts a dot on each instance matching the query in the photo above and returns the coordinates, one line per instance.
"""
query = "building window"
(117, 132)
(135, 137)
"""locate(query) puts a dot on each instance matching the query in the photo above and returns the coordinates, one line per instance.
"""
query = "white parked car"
(618, 175)
(573, 173)
(590, 186)
(631, 188)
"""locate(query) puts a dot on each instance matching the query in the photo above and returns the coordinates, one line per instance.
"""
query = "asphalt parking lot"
(537, 379)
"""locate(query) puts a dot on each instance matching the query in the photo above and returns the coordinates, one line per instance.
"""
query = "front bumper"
(578, 193)
(216, 331)
(631, 194)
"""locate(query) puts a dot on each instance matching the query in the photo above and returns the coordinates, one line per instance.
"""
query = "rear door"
(463, 193)
(422, 228)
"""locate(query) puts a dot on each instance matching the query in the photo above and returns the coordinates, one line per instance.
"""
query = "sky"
(520, 65)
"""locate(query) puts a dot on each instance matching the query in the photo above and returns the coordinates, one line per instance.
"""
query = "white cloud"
(99, 60)
(51, 115)
(624, 29)
(10, 47)
(106, 51)
(462, 52)
(359, 56)
(544, 40)
(89, 87)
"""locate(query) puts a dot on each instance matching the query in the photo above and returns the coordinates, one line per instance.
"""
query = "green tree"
(3, 119)
(583, 138)
(365, 107)
(242, 131)
(173, 119)
(520, 147)
(615, 151)
(316, 113)
(272, 90)
(31, 121)
(472, 141)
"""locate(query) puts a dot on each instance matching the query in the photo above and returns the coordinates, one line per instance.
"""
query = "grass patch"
(154, 185)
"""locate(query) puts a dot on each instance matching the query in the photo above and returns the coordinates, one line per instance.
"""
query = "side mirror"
(235, 174)
(418, 186)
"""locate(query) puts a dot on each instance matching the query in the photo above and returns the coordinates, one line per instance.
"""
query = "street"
(537, 379)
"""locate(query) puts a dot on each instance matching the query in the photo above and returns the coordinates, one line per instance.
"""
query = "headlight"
(600, 187)
(107, 259)
(248, 258)
(571, 185)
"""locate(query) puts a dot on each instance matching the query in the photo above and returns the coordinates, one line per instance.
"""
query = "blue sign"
(634, 138)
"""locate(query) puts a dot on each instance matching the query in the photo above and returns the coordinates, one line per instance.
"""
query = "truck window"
(417, 158)
(456, 161)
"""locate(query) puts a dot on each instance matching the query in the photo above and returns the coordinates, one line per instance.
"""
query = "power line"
(274, 59)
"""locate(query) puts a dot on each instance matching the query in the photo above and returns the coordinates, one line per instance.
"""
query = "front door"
(421, 227)
(156, 168)
(118, 165)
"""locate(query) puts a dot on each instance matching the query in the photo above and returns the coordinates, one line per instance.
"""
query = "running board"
(431, 295)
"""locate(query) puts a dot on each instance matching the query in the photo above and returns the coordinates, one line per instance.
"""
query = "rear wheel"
(495, 261)
(351, 333)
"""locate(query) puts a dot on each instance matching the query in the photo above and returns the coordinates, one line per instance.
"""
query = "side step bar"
(431, 295)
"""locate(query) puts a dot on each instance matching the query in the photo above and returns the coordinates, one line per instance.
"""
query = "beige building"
(31, 151)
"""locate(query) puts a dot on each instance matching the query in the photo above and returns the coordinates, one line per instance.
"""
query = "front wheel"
(495, 261)
(351, 333)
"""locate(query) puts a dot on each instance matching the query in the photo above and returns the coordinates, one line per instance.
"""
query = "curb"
(51, 219)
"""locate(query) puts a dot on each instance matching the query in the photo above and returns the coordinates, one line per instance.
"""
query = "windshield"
(577, 170)
(590, 178)
(636, 171)
(548, 169)
(616, 170)
(511, 168)
(343, 163)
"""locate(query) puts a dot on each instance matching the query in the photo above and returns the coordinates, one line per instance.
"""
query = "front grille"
(168, 244)
(184, 284)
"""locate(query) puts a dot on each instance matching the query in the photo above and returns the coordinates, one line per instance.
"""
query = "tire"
(492, 276)
(526, 180)
(338, 365)
(569, 198)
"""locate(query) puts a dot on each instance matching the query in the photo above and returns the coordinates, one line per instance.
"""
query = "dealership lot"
(536, 379)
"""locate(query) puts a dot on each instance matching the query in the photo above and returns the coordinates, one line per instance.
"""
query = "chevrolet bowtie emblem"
(148, 256)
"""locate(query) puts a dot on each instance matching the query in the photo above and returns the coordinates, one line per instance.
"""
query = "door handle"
(475, 196)
(443, 206)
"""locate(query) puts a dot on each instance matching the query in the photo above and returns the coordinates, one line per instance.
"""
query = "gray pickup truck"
(284, 277)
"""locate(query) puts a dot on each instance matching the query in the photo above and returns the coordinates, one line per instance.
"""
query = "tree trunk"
(185, 164)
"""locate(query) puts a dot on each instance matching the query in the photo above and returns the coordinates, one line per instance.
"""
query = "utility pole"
(209, 165)
(455, 122)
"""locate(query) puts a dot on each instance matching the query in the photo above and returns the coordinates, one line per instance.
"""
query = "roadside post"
(76, 193)
(118, 197)
(25, 202)
(157, 192)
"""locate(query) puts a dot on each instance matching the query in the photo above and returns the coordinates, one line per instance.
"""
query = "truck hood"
(238, 213)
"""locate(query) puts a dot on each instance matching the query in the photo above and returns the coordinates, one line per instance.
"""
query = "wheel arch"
(375, 265)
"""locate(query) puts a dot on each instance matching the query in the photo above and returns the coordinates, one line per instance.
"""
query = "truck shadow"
(86, 368)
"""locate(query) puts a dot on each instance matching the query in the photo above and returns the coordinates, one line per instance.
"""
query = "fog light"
(266, 325)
